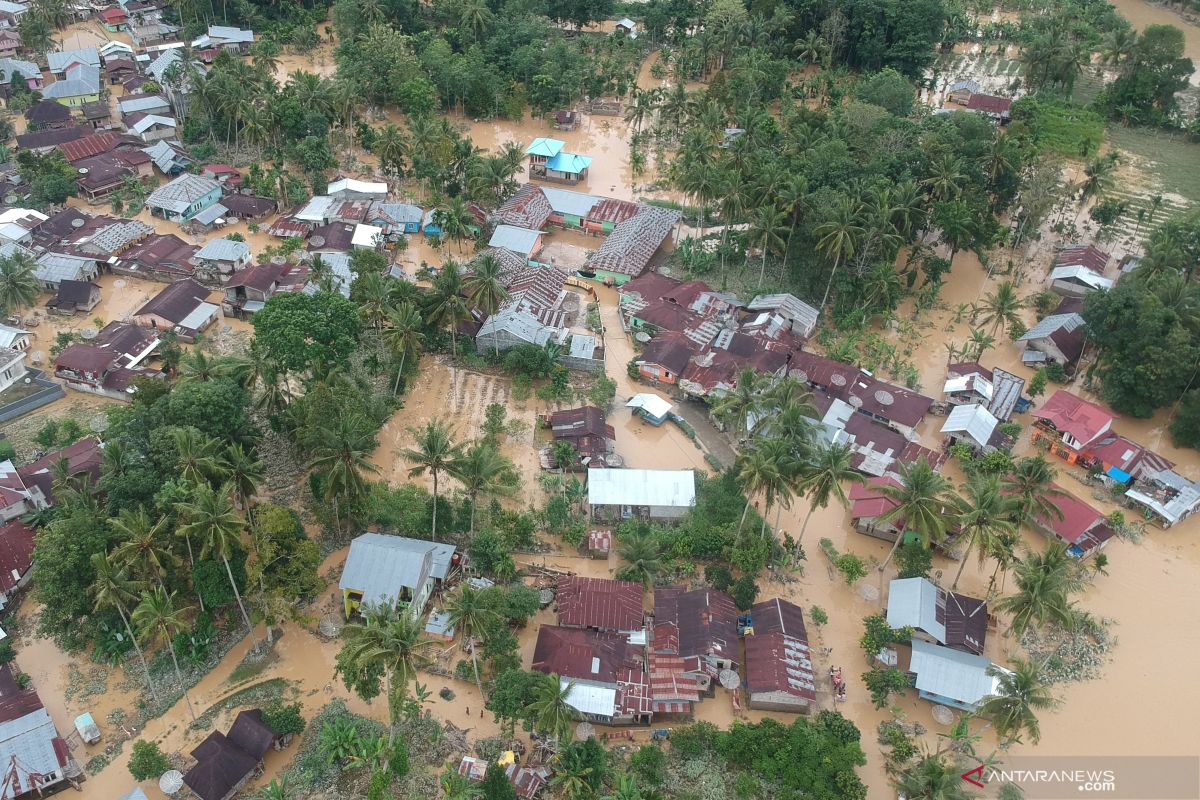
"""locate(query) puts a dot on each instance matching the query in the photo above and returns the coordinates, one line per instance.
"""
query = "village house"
(61, 62)
(54, 268)
(699, 627)
(16, 560)
(101, 238)
(10, 43)
(74, 297)
(12, 367)
(222, 257)
(802, 317)
(97, 115)
(510, 328)
(974, 426)
(83, 457)
(225, 763)
(627, 251)
(600, 604)
(224, 37)
(665, 358)
(13, 338)
(150, 128)
(549, 162)
(653, 494)
(996, 390)
(351, 189)
(162, 257)
(37, 759)
(960, 92)
(42, 142)
(869, 505)
(183, 198)
(154, 104)
(524, 242)
(527, 782)
(18, 224)
(10, 69)
(950, 677)
(249, 289)
(626, 26)
(1058, 337)
(894, 406)
(80, 85)
(994, 108)
(119, 70)
(779, 668)
(1164, 497)
(11, 13)
(170, 158)
(1068, 424)
(47, 114)
(386, 570)
(565, 120)
(15, 501)
(936, 615)
(181, 307)
(1083, 529)
(107, 364)
(114, 19)
(586, 430)
(100, 176)
(1079, 269)
(606, 673)
(250, 207)
(395, 218)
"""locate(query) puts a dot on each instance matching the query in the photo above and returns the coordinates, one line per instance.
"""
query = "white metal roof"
(211, 214)
(149, 121)
(14, 214)
(672, 488)
(9, 335)
(223, 250)
(652, 404)
(519, 240)
(973, 420)
(790, 307)
(1080, 274)
(1050, 324)
(913, 602)
(351, 186)
(200, 315)
(29, 740)
(146, 104)
(62, 59)
(564, 201)
(590, 698)
(366, 236)
(180, 193)
(952, 673)
(973, 382)
(315, 210)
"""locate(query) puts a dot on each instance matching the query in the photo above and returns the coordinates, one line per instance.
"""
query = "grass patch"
(1060, 126)
(1169, 157)
(251, 667)
(260, 694)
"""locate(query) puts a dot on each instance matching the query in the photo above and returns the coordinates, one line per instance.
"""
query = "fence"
(49, 392)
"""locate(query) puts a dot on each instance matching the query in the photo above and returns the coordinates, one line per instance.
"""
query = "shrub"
(398, 760)
(718, 576)
(147, 761)
(283, 719)
(744, 591)
(851, 567)
(649, 764)
(818, 615)
(1055, 372)
(7, 653)
(914, 560)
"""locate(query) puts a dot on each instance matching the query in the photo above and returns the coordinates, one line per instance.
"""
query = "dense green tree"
(64, 571)
(297, 331)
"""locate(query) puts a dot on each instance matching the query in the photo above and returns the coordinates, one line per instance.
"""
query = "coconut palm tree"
(113, 588)
(141, 544)
(642, 557)
(433, 452)
(838, 237)
(1000, 307)
(550, 712)
(1021, 692)
(483, 470)
(447, 307)
(392, 148)
(472, 618)
(921, 500)
(484, 287)
(403, 336)
(340, 456)
(1044, 584)
(946, 180)
(1031, 485)
(768, 230)
(212, 518)
(821, 479)
(455, 220)
(197, 462)
(983, 514)
(772, 469)
(244, 472)
(812, 48)
(19, 287)
(390, 640)
(157, 620)
(374, 299)
(735, 408)
(934, 776)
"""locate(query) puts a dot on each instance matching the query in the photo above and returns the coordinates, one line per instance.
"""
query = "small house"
(223, 256)
(698, 626)
(74, 297)
(511, 328)
(81, 84)
(599, 544)
(351, 189)
(114, 19)
(249, 289)
(565, 120)
(522, 241)
(626, 26)
(779, 666)
(383, 569)
(1165, 497)
(169, 157)
(586, 430)
(182, 307)
(183, 198)
(46, 114)
(1069, 425)
(16, 554)
(208, 220)
(144, 104)
(654, 494)
(395, 218)
(83, 457)
(960, 92)
(570, 168)
(225, 763)
(244, 206)
(600, 668)
(10, 43)
(802, 317)
(151, 128)
(665, 358)
(974, 426)
(1083, 529)
(37, 758)
(869, 505)
(223, 174)
(951, 677)
(225, 37)
(54, 268)
(936, 615)
(600, 604)
(13, 338)
(15, 69)
(61, 62)
(119, 70)
(994, 108)
(1058, 337)
(97, 115)
(107, 364)
(163, 257)
(12, 367)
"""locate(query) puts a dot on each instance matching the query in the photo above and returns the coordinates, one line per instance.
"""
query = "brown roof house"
(182, 307)
(226, 762)
(698, 626)
(606, 672)
(75, 296)
(779, 669)
(158, 256)
(249, 289)
(599, 603)
(936, 615)
(86, 455)
(585, 429)
(35, 757)
(108, 364)
(1058, 337)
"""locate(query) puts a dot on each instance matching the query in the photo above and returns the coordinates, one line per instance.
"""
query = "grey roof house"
(184, 198)
(54, 268)
(393, 570)
(62, 60)
(1059, 337)
(946, 618)
(800, 314)
(950, 677)
(81, 81)
(223, 255)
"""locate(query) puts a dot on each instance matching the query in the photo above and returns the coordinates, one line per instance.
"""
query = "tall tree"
(19, 287)
(484, 287)
(1031, 485)
(983, 515)
(472, 618)
(838, 237)
(433, 452)
(211, 517)
(340, 456)
(550, 711)
(113, 588)
(483, 470)
(921, 501)
(1044, 584)
(1021, 692)
(822, 477)
(403, 336)
(142, 546)
(158, 620)
(1000, 307)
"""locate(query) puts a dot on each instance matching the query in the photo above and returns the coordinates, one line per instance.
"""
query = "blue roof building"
(544, 148)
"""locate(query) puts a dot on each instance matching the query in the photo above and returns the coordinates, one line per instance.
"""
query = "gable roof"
(63, 59)
(220, 766)
(572, 163)
(11, 66)
(954, 620)
(223, 250)
(582, 654)
(1077, 519)
(704, 622)
(45, 112)
(251, 734)
(528, 208)
(631, 245)
(176, 301)
(790, 307)
(522, 241)
(989, 104)
(599, 603)
(952, 674)
(84, 455)
(661, 488)
(1071, 414)
(379, 565)
(545, 146)
(777, 655)
(16, 552)
(1084, 255)
(81, 80)
(180, 193)
(974, 421)
(39, 140)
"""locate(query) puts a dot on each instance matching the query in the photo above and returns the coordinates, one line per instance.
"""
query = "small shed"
(599, 544)
(661, 494)
(626, 26)
(650, 407)
(974, 426)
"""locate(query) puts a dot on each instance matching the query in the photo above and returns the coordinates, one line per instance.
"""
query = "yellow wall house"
(386, 570)
(81, 85)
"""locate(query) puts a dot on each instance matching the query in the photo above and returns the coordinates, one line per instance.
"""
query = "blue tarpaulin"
(1119, 475)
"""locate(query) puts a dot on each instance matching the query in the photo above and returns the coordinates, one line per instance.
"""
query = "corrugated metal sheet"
(642, 487)
(952, 674)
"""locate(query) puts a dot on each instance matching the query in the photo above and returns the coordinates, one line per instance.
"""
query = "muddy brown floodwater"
(1140, 14)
